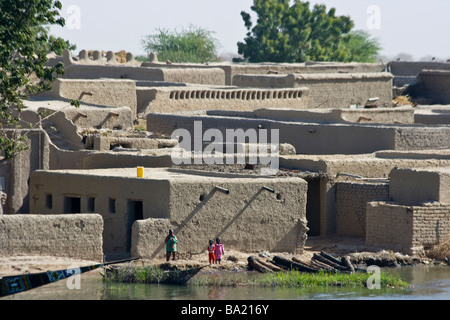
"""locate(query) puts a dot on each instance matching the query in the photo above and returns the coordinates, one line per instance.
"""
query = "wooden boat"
(19, 283)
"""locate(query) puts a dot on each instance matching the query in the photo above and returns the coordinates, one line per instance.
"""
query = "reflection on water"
(429, 282)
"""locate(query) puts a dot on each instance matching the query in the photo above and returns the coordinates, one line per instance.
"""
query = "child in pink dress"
(218, 250)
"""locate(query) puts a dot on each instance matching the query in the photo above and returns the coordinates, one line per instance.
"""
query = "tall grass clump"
(192, 44)
(137, 274)
(440, 251)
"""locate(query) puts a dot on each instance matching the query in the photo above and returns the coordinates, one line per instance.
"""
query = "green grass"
(153, 274)
(137, 274)
(327, 279)
(301, 279)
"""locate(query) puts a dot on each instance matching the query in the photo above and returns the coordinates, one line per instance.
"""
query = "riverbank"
(275, 269)
(354, 248)
(233, 261)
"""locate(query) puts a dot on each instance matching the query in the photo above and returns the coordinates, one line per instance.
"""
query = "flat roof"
(182, 175)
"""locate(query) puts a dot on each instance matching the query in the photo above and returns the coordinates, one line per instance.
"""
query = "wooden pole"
(329, 262)
(293, 265)
(254, 264)
(346, 262)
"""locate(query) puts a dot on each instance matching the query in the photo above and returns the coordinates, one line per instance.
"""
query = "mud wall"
(254, 214)
(314, 138)
(74, 236)
(329, 90)
(249, 218)
(176, 99)
(435, 85)
(104, 92)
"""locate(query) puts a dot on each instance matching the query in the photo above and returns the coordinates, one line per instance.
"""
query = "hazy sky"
(416, 27)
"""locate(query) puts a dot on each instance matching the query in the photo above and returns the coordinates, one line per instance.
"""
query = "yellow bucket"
(140, 172)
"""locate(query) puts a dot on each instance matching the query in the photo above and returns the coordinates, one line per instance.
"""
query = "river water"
(428, 282)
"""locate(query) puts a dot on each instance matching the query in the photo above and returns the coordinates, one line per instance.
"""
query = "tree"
(22, 58)
(192, 44)
(296, 33)
(362, 47)
(54, 44)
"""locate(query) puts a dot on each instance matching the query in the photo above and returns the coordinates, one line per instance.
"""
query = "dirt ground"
(232, 259)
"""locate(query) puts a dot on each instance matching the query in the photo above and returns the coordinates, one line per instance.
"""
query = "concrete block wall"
(76, 236)
(406, 228)
(351, 201)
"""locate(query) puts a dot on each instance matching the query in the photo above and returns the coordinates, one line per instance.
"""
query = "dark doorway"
(49, 201)
(313, 206)
(72, 205)
(135, 211)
